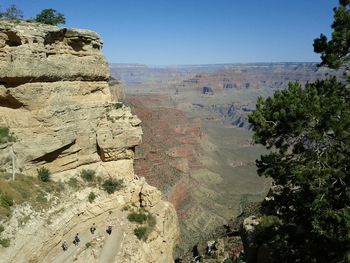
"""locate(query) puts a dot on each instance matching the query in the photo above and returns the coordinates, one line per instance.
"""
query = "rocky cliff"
(55, 99)
(54, 96)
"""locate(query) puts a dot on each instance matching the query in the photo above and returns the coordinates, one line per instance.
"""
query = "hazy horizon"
(195, 32)
(218, 64)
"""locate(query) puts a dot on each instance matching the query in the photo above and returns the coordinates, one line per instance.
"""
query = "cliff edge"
(55, 100)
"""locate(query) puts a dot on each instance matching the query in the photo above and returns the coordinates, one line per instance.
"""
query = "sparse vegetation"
(24, 189)
(51, 17)
(60, 186)
(146, 221)
(91, 197)
(243, 202)
(141, 233)
(44, 174)
(88, 175)
(88, 244)
(5, 242)
(73, 182)
(2, 229)
(139, 217)
(5, 135)
(11, 13)
(151, 220)
(99, 179)
(117, 105)
(6, 200)
(125, 208)
(111, 185)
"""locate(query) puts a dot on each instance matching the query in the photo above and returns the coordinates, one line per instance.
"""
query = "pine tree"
(335, 52)
(50, 17)
(307, 132)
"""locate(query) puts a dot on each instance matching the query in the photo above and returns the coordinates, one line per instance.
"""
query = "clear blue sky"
(197, 31)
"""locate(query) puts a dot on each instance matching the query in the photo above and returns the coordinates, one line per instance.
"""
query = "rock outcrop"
(55, 99)
(32, 52)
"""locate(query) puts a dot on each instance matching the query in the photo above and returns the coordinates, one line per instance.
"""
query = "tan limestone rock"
(150, 196)
(118, 134)
(37, 52)
(55, 99)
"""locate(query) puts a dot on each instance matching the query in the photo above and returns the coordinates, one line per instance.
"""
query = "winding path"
(110, 244)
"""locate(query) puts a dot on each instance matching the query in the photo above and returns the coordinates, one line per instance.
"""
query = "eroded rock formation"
(55, 99)
(54, 96)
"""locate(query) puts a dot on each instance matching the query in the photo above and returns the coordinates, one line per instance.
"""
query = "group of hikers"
(76, 239)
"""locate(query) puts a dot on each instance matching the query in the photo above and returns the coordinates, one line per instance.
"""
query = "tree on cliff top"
(50, 17)
(307, 130)
(11, 13)
(336, 52)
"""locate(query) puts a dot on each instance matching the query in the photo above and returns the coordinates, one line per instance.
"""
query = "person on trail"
(109, 229)
(64, 245)
(76, 239)
(93, 228)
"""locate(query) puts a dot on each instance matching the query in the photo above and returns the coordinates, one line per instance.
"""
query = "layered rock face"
(55, 99)
(75, 215)
(54, 96)
(31, 52)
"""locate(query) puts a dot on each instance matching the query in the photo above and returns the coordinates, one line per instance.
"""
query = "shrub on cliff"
(141, 233)
(147, 222)
(137, 217)
(5, 242)
(6, 200)
(5, 135)
(111, 185)
(88, 175)
(51, 17)
(91, 197)
(44, 174)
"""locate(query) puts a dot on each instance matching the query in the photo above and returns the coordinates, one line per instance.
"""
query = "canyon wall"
(55, 99)
(54, 96)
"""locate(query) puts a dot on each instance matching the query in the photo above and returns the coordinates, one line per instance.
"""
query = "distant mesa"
(207, 91)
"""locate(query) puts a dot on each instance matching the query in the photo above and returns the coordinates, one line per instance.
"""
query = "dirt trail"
(108, 245)
(112, 245)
